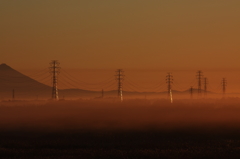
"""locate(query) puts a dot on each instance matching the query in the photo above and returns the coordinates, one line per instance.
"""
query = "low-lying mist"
(213, 115)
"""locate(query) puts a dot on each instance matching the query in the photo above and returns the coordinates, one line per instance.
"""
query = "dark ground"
(130, 130)
(118, 145)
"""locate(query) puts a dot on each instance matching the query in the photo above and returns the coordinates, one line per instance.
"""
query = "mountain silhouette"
(23, 85)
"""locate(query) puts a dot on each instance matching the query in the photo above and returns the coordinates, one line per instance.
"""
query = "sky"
(106, 34)
(154, 36)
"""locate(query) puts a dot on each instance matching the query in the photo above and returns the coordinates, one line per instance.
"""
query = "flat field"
(133, 129)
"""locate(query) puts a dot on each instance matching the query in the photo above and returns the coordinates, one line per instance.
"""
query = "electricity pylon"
(54, 70)
(205, 86)
(102, 93)
(224, 84)
(191, 92)
(120, 77)
(13, 94)
(199, 78)
(169, 81)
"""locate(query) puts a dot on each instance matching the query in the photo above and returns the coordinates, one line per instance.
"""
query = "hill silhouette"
(23, 85)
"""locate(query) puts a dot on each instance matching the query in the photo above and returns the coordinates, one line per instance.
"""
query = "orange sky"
(121, 34)
(168, 36)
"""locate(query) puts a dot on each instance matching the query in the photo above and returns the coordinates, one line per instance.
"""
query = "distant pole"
(54, 70)
(102, 93)
(13, 94)
(205, 86)
(169, 81)
(224, 84)
(199, 77)
(191, 92)
(119, 77)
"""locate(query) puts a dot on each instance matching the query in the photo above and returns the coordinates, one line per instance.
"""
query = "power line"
(142, 87)
(69, 76)
(40, 73)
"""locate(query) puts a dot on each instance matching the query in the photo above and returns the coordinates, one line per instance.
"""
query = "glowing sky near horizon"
(120, 34)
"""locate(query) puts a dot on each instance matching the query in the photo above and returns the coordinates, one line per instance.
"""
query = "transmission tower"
(169, 81)
(54, 70)
(224, 84)
(205, 86)
(102, 93)
(119, 77)
(191, 91)
(199, 78)
(13, 94)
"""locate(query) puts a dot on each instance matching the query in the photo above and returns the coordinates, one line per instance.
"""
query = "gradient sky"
(107, 34)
